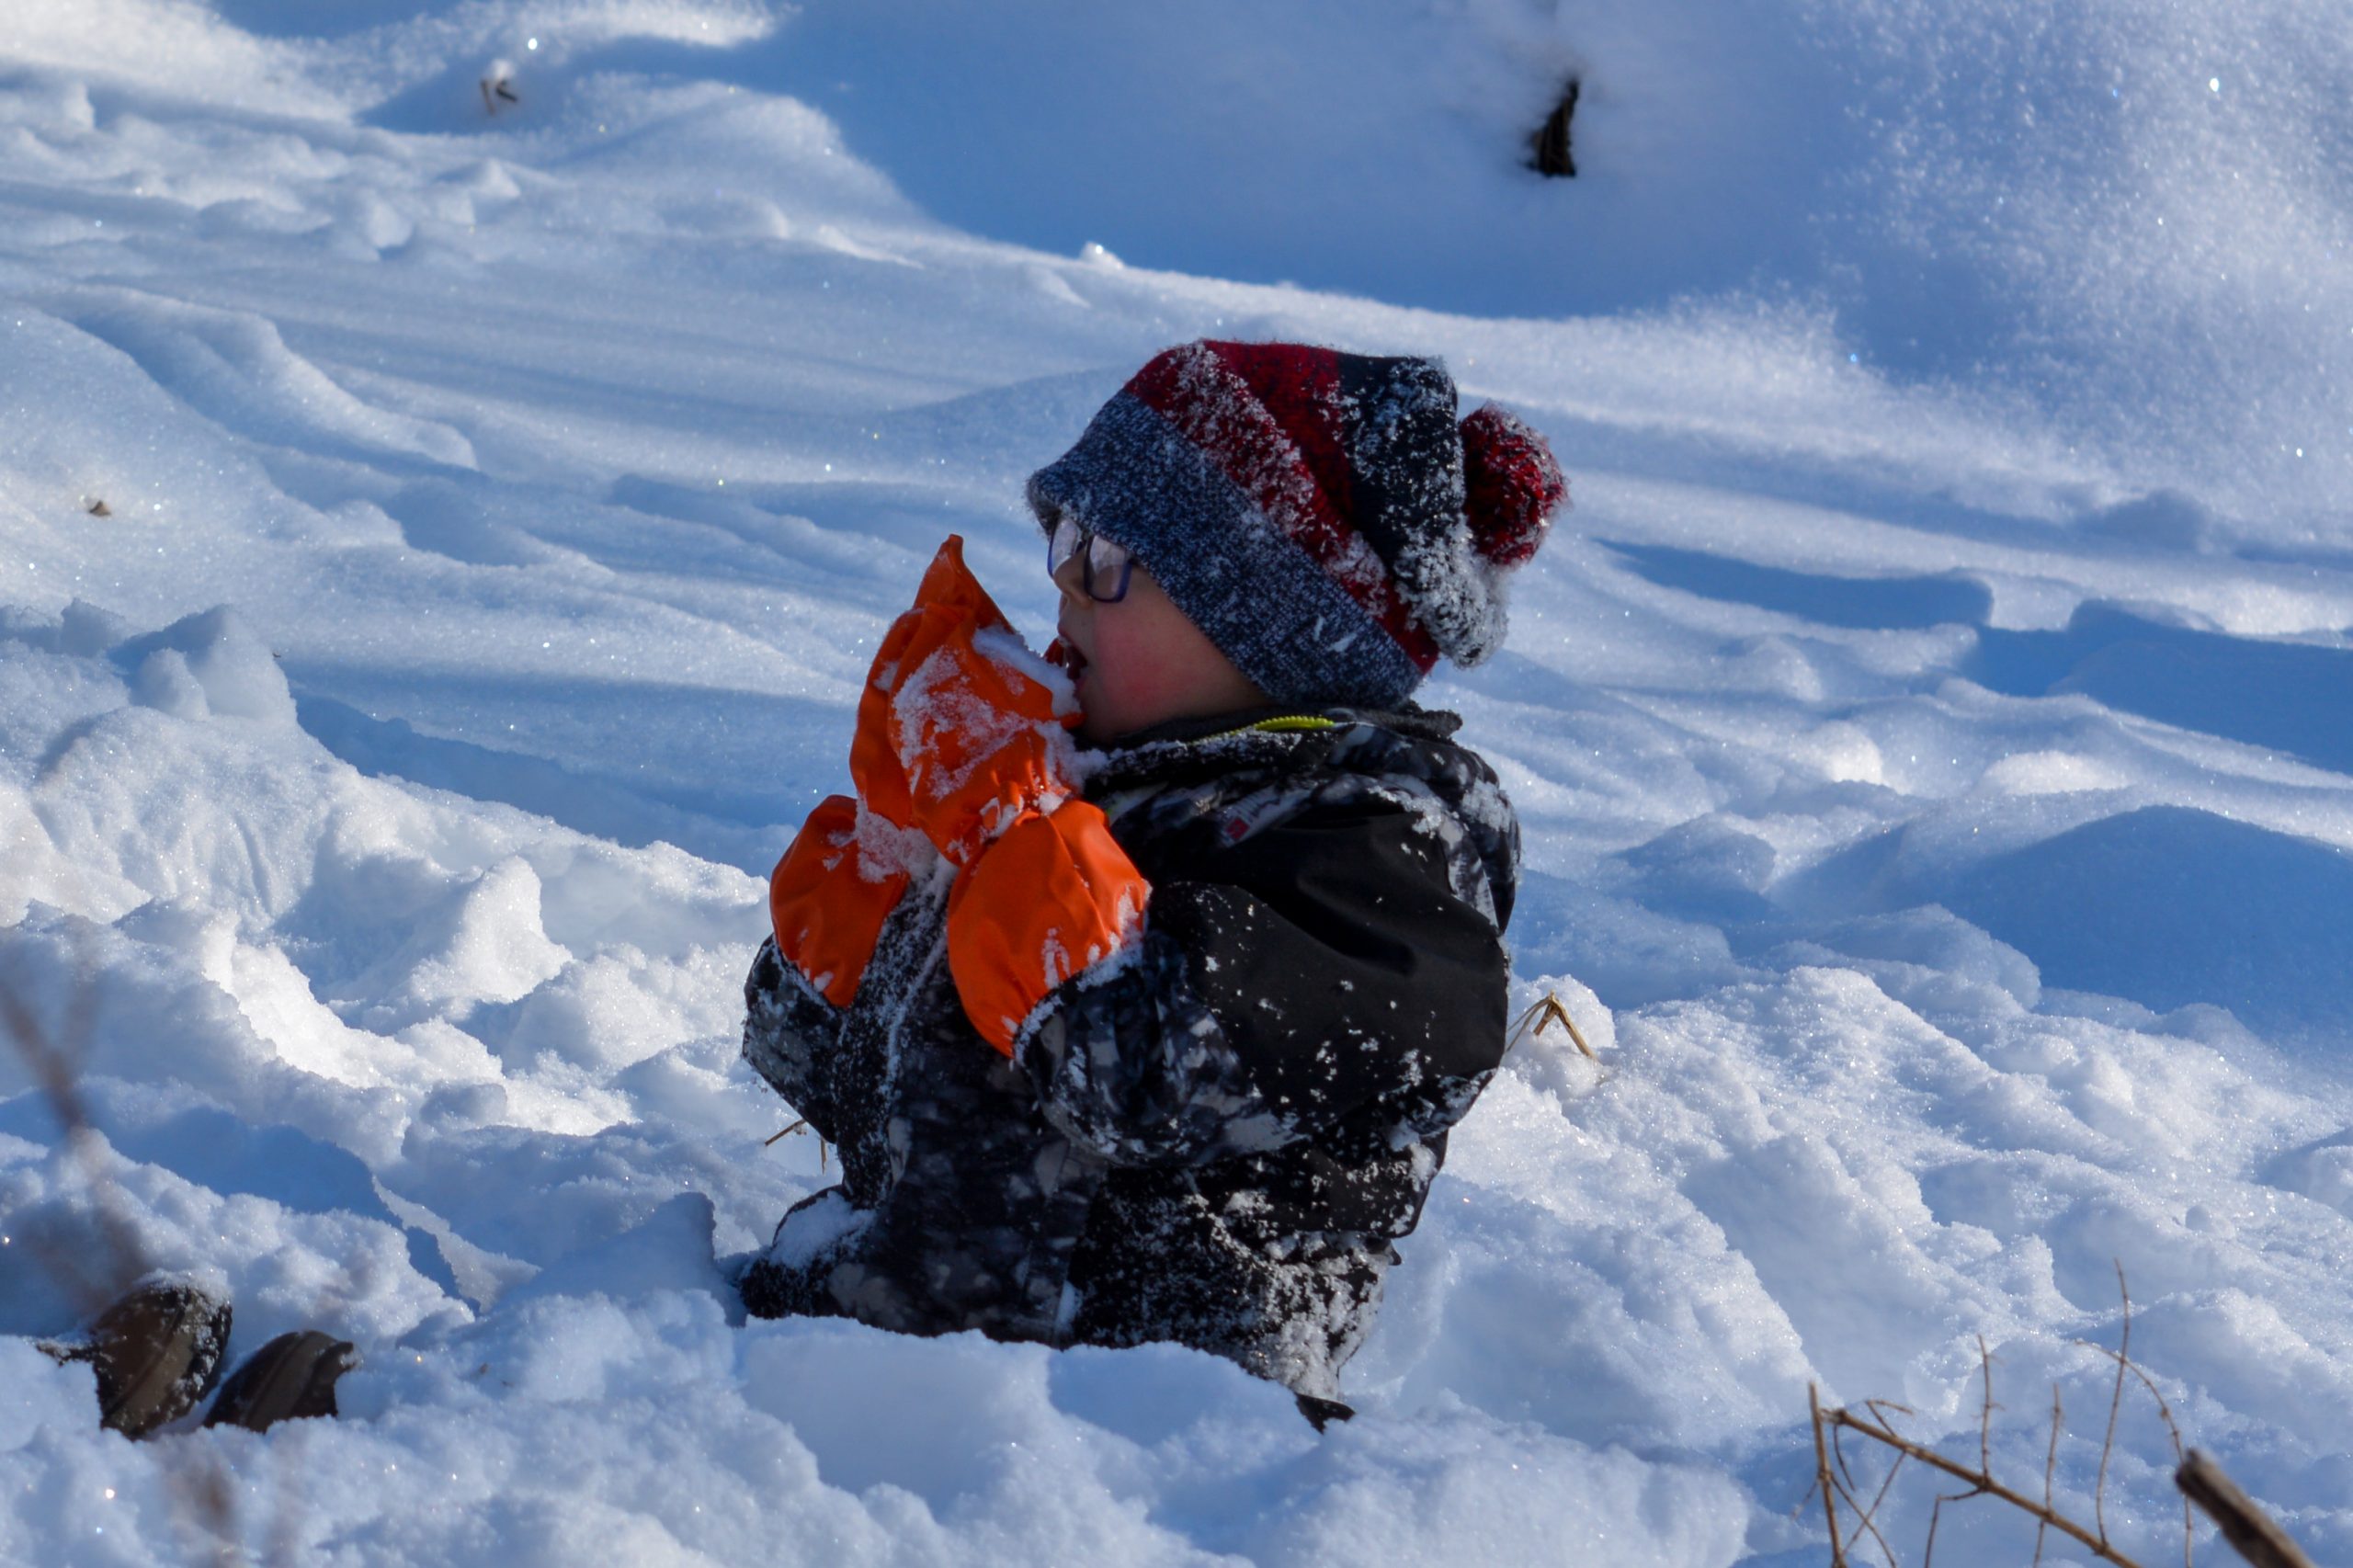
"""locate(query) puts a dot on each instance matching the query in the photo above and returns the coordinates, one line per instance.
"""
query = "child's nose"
(1075, 600)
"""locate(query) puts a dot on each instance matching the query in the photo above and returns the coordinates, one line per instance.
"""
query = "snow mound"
(2134, 216)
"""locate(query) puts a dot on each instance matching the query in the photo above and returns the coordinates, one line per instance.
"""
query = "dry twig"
(1822, 1478)
(2122, 1357)
(2050, 1472)
(2196, 1477)
(1986, 1410)
(1864, 1522)
(55, 1064)
(2173, 1429)
(1980, 1484)
(1881, 1407)
(198, 1493)
(2254, 1535)
(2115, 1404)
(2251, 1531)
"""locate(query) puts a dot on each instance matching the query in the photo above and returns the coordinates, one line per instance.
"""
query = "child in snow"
(1156, 1035)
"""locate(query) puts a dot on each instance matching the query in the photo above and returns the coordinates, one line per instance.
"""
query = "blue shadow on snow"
(2169, 906)
(214, 1149)
(2292, 698)
(1878, 604)
(2288, 698)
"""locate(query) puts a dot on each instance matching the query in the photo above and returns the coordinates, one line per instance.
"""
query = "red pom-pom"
(1511, 485)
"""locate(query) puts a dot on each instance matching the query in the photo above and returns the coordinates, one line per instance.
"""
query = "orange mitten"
(948, 599)
(827, 909)
(952, 724)
(1051, 896)
(981, 742)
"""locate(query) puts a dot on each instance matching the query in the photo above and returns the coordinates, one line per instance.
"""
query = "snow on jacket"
(1211, 1138)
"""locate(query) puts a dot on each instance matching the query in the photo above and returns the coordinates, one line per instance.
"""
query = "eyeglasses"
(1103, 566)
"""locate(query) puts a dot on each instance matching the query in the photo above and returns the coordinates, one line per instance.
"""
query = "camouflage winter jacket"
(1211, 1138)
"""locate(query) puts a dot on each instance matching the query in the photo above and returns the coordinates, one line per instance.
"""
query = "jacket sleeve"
(1329, 983)
(790, 1038)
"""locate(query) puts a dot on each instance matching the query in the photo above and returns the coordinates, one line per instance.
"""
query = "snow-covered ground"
(1933, 730)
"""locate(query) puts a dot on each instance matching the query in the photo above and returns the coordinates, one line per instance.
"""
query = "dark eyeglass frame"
(1098, 558)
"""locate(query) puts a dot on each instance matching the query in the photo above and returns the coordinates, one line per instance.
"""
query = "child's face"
(1140, 662)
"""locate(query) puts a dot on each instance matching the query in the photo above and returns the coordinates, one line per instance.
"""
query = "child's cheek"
(1120, 688)
(1140, 674)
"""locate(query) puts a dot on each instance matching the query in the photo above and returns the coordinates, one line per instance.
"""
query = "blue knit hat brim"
(1279, 616)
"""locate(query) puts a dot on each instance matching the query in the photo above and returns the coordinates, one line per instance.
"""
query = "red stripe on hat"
(1268, 417)
(1300, 389)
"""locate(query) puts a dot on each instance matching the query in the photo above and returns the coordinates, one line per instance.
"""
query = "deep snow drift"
(1930, 728)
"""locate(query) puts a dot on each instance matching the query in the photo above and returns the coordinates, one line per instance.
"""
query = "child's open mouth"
(1073, 662)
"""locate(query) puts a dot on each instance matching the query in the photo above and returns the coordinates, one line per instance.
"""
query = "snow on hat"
(1320, 516)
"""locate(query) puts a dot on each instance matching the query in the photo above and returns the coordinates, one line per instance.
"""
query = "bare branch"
(55, 1066)
(2049, 1469)
(1936, 1517)
(1889, 1552)
(201, 1501)
(1880, 1407)
(2115, 1404)
(1985, 1411)
(2257, 1538)
(2253, 1533)
(2173, 1429)
(1822, 1478)
(1979, 1482)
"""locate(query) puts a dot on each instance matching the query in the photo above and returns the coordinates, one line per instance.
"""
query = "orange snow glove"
(1051, 896)
(956, 720)
(827, 907)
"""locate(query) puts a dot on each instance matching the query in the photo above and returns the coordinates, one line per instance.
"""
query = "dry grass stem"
(800, 1126)
(1543, 1016)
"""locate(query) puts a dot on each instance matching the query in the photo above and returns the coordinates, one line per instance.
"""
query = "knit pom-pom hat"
(1321, 516)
